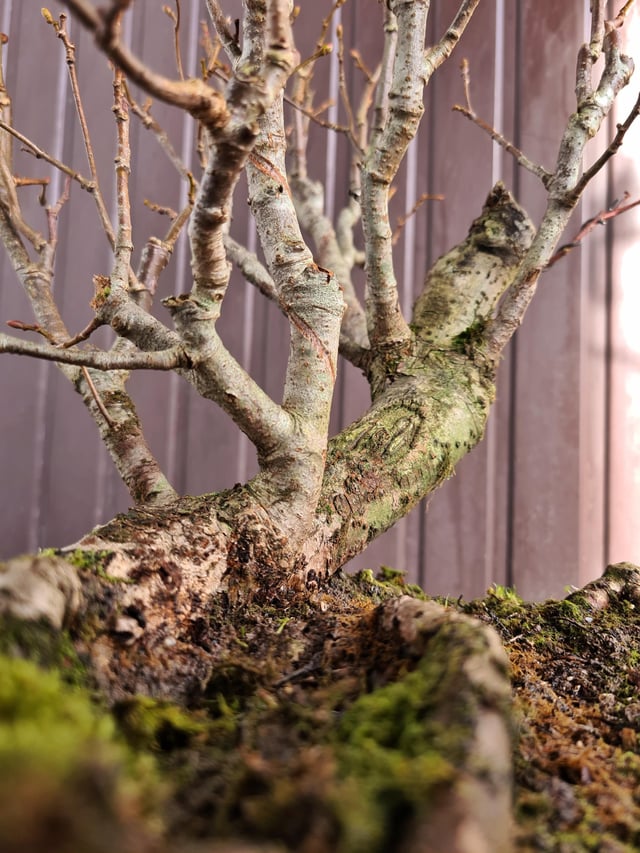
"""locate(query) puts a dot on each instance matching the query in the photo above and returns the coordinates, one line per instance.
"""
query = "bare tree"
(158, 572)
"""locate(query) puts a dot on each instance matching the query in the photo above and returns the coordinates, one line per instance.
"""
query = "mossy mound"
(68, 783)
(321, 730)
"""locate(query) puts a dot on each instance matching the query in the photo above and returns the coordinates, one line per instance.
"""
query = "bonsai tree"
(225, 601)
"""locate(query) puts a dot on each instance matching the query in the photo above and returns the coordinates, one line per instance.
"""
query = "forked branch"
(568, 180)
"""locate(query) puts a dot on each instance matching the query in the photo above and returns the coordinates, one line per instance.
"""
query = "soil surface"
(320, 731)
(576, 682)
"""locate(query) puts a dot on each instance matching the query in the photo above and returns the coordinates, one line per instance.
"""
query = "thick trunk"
(151, 577)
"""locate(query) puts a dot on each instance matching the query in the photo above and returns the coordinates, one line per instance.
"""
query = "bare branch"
(221, 24)
(217, 376)
(565, 188)
(436, 55)
(386, 325)
(175, 17)
(41, 154)
(508, 146)
(192, 95)
(619, 19)
(402, 220)
(604, 158)
(60, 28)
(83, 335)
(381, 108)
(98, 360)
(600, 218)
(124, 241)
(98, 399)
(144, 114)
(344, 91)
(252, 270)
(248, 96)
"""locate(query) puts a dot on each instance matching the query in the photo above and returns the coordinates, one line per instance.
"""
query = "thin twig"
(60, 28)
(88, 330)
(31, 327)
(41, 154)
(163, 210)
(96, 396)
(53, 215)
(600, 218)
(175, 17)
(402, 220)
(342, 85)
(144, 114)
(509, 147)
(618, 21)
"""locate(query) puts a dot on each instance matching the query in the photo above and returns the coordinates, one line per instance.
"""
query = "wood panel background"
(551, 494)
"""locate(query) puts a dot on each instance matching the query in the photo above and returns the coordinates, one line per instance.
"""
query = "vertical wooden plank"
(546, 460)
(454, 528)
(594, 282)
(623, 439)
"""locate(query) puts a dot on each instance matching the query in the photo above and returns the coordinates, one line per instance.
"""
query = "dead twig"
(402, 220)
(509, 147)
(601, 218)
(175, 18)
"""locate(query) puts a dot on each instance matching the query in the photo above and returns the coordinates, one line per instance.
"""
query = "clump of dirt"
(576, 679)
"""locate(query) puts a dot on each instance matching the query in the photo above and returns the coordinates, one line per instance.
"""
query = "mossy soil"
(576, 685)
(314, 733)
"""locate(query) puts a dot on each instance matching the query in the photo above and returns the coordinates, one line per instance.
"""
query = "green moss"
(96, 562)
(41, 643)
(68, 782)
(152, 724)
(395, 752)
(471, 339)
(504, 593)
(388, 583)
(48, 552)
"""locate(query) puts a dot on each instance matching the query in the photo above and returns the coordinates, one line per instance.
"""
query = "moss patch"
(67, 781)
(42, 644)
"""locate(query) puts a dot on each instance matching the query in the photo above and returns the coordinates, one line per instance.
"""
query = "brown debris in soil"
(576, 678)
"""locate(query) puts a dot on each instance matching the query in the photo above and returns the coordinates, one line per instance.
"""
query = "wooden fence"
(553, 491)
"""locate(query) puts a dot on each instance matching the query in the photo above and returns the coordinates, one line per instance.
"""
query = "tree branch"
(223, 32)
(508, 146)
(566, 184)
(396, 122)
(313, 303)
(436, 55)
(192, 95)
(98, 360)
